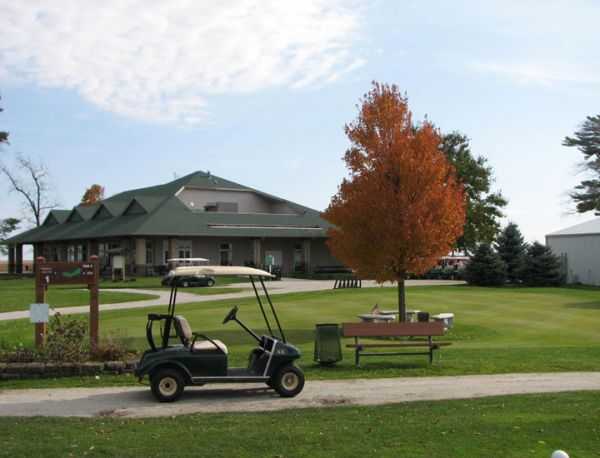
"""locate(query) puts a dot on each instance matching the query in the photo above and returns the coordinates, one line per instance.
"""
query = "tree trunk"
(401, 300)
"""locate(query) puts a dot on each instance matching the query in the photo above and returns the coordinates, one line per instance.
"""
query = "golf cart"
(197, 359)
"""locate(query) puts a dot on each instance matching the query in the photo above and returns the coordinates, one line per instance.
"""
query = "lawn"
(497, 330)
(511, 427)
(18, 294)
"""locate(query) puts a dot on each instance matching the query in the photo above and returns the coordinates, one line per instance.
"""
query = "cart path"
(279, 287)
(136, 402)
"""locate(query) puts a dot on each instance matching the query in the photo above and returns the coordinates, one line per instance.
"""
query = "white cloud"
(160, 61)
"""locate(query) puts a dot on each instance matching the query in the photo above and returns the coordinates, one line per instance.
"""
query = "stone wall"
(14, 371)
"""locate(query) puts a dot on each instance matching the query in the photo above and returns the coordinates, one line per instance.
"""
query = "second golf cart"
(197, 359)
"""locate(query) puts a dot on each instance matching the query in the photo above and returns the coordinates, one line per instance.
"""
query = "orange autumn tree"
(402, 207)
(93, 194)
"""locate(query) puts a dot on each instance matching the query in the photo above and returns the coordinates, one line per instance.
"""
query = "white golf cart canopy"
(214, 271)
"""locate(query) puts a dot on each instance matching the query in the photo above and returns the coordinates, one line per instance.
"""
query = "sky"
(132, 93)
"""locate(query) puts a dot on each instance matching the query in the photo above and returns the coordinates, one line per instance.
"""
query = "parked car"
(188, 281)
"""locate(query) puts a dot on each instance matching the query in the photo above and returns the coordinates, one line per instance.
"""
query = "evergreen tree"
(587, 140)
(512, 248)
(541, 267)
(486, 268)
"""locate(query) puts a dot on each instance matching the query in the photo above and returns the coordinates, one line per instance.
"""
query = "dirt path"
(138, 402)
(279, 287)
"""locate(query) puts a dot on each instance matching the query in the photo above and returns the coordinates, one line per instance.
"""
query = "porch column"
(11, 259)
(172, 248)
(19, 259)
(256, 249)
(307, 264)
(140, 256)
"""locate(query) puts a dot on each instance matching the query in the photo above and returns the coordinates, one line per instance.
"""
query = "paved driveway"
(138, 402)
(278, 287)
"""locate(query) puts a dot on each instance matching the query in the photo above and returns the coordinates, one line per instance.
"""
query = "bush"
(66, 340)
(541, 267)
(486, 268)
(110, 349)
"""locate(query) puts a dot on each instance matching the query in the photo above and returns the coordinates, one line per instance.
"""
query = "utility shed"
(579, 247)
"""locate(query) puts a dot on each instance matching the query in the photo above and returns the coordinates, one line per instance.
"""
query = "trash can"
(423, 317)
(328, 346)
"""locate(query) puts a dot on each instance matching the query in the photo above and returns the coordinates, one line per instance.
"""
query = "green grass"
(497, 330)
(154, 283)
(18, 294)
(511, 427)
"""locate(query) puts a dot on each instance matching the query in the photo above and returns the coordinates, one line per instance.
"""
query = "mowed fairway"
(497, 330)
(18, 294)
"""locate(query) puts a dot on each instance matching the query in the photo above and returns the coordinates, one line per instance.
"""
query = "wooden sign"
(60, 273)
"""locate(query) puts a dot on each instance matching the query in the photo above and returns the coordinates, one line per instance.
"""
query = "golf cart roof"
(187, 260)
(220, 270)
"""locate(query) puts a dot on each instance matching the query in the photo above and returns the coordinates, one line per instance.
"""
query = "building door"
(225, 254)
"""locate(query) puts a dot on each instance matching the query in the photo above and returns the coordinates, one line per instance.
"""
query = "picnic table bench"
(425, 331)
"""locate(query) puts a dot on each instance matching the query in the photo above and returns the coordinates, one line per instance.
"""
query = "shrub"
(66, 340)
(110, 349)
(486, 268)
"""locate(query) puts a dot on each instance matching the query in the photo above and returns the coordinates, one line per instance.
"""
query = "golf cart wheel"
(288, 381)
(210, 283)
(185, 284)
(167, 384)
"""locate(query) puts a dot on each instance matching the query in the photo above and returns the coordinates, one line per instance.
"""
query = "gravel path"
(279, 287)
(138, 401)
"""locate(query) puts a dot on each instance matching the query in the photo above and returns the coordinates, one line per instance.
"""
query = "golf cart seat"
(184, 331)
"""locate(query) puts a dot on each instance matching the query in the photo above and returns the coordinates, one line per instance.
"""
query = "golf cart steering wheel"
(231, 315)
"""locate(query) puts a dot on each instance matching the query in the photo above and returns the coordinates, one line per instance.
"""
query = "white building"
(579, 247)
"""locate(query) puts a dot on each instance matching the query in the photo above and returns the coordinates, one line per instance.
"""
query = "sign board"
(118, 262)
(67, 273)
(38, 313)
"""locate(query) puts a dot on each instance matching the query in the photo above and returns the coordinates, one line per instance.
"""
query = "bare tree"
(30, 180)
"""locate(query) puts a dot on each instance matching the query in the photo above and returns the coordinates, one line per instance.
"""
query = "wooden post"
(40, 298)
(94, 301)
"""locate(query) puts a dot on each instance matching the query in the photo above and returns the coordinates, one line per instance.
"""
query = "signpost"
(61, 273)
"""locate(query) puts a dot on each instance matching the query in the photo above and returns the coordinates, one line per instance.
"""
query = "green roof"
(157, 211)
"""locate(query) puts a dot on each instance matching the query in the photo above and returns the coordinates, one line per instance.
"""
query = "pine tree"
(512, 248)
(486, 268)
(541, 267)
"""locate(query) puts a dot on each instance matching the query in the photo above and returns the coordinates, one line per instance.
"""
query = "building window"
(299, 265)
(71, 253)
(149, 253)
(226, 254)
(184, 249)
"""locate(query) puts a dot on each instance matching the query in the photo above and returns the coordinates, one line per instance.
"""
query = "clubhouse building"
(197, 216)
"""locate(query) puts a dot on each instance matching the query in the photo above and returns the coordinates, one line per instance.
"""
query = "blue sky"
(127, 94)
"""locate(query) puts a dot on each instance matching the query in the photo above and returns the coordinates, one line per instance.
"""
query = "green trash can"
(328, 346)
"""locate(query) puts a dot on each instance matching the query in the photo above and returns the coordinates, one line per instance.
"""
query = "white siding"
(582, 254)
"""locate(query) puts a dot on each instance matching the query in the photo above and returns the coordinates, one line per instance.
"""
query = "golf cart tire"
(167, 384)
(210, 283)
(288, 381)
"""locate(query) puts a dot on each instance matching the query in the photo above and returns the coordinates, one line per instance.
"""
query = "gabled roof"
(588, 228)
(157, 211)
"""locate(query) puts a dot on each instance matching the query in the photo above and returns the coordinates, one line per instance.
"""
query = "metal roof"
(588, 228)
(157, 211)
